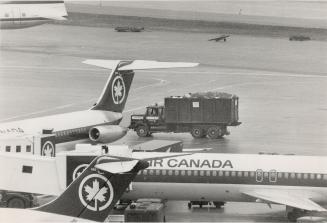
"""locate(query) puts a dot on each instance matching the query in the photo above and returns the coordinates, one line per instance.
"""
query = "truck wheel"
(16, 203)
(215, 132)
(197, 132)
(142, 131)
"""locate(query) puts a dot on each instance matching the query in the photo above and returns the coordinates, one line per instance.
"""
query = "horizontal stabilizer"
(138, 64)
(287, 198)
(117, 167)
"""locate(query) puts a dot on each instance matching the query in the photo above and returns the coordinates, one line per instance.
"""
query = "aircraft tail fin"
(95, 192)
(115, 92)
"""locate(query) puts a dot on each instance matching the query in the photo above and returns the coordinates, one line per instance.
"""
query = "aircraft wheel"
(189, 205)
(142, 131)
(16, 203)
(197, 132)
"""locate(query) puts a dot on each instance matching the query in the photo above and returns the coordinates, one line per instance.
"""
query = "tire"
(142, 131)
(197, 132)
(200, 205)
(215, 132)
(189, 205)
(16, 203)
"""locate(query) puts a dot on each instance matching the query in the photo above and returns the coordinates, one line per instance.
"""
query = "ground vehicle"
(145, 210)
(13, 199)
(205, 114)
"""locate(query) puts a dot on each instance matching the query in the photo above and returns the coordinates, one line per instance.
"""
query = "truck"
(201, 114)
(42, 144)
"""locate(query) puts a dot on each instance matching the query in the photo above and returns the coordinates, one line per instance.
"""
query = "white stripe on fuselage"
(60, 122)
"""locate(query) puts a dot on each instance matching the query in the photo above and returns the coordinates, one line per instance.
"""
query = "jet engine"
(106, 133)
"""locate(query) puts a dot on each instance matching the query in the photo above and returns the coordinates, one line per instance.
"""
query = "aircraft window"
(233, 173)
(170, 172)
(265, 174)
(325, 177)
(252, 174)
(183, 172)
(195, 172)
(239, 173)
(139, 173)
(28, 148)
(164, 172)
(226, 173)
(312, 176)
(246, 174)
(7, 148)
(292, 175)
(299, 176)
(286, 175)
(201, 173)
(157, 172)
(145, 172)
(319, 176)
(305, 176)
(189, 172)
(279, 175)
(259, 175)
(151, 172)
(176, 172)
(221, 173)
(273, 176)
(208, 173)
(214, 173)
(18, 149)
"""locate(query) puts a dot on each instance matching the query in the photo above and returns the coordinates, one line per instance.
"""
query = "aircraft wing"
(55, 17)
(284, 197)
(138, 64)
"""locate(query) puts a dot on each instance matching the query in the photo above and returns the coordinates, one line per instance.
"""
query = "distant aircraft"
(89, 198)
(99, 123)
(22, 14)
(223, 37)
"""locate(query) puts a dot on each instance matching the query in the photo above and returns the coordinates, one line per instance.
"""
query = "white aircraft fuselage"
(295, 181)
(22, 14)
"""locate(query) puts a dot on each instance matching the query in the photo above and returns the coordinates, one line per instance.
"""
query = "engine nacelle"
(106, 133)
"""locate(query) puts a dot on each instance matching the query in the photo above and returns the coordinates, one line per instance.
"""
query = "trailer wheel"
(16, 203)
(215, 132)
(197, 132)
(142, 131)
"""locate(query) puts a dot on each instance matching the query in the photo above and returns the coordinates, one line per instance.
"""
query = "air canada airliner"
(88, 199)
(100, 123)
(22, 14)
(298, 182)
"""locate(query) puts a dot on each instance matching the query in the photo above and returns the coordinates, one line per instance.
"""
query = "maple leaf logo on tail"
(96, 192)
(48, 149)
(118, 90)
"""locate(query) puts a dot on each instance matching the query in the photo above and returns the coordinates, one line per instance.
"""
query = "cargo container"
(206, 114)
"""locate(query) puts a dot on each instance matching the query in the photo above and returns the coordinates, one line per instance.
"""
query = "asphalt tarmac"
(281, 85)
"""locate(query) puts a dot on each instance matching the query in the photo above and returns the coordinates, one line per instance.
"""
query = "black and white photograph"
(163, 111)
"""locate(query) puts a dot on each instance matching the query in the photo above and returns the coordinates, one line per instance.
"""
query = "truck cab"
(152, 120)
